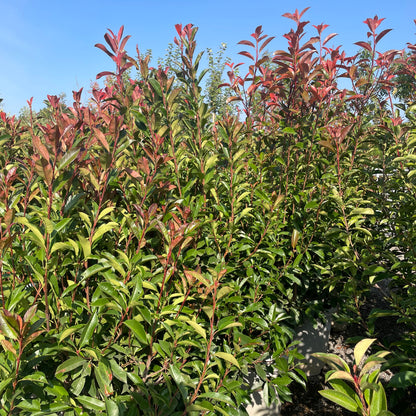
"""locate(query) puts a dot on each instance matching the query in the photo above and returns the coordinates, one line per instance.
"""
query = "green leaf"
(102, 229)
(342, 375)
(89, 330)
(156, 86)
(78, 385)
(340, 398)
(138, 115)
(6, 327)
(227, 357)
(85, 244)
(198, 328)
(67, 158)
(104, 376)
(35, 233)
(91, 403)
(403, 379)
(362, 211)
(94, 269)
(15, 297)
(118, 371)
(85, 219)
(4, 383)
(111, 407)
(36, 377)
(361, 348)
(311, 205)
(201, 406)
(138, 330)
(227, 322)
(218, 397)
(289, 130)
(224, 290)
(114, 292)
(49, 225)
(67, 332)
(378, 401)
(70, 365)
(61, 246)
(337, 363)
(32, 406)
(211, 162)
(244, 213)
(179, 380)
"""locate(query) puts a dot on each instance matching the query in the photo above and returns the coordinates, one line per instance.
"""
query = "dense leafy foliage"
(152, 254)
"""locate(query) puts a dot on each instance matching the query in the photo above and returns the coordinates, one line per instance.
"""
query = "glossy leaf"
(138, 330)
(340, 398)
(227, 357)
(70, 364)
(361, 348)
(88, 330)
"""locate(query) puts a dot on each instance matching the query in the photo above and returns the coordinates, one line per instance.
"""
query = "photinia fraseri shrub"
(168, 253)
(127, 242)
(314, 140)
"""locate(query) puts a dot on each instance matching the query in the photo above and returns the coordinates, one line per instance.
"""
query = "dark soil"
(310, 402)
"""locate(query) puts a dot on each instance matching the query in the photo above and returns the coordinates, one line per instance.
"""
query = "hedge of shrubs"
(155, 249)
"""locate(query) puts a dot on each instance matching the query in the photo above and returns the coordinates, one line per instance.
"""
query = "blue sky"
(47, 47)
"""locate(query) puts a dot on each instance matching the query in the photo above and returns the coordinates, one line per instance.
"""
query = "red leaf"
(133, 173)
(30, 313)
(77, 95)
(266, 42)
(230, 99)
(246, 42)
(11, 174)
(382, 34)
(361, 81)
(104, 49)
(120, 33)
(8, 217)
(246, 54)
(257, 32)
(178, 28)
(47, 171)
(252, 88)
(111, 42)
(123, 43)
(373, 24)
(40, 147)
(54, 100)
(296, 16)
(101, 137)
(364, 45)
(103, 74)
(320, 28)
(329, 37)
(8, 346)
(304, 11)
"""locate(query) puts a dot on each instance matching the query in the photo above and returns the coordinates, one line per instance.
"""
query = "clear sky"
(47, 46)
